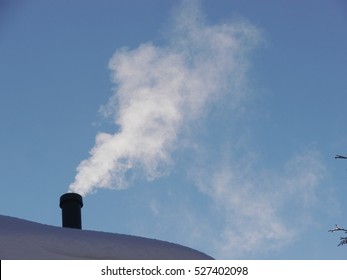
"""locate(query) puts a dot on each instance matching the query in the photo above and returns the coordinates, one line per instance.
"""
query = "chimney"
(71, 204)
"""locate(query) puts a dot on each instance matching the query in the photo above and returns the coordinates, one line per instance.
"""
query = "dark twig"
(337, 228)
(343, 240)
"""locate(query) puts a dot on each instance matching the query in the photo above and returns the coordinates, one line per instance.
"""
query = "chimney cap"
(71, 197)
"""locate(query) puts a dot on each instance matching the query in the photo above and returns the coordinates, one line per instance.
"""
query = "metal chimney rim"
(75, 197)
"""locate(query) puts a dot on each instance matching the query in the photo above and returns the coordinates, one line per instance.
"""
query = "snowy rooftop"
(21, 239)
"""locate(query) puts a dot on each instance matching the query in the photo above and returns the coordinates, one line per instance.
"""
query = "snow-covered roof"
(22, 239)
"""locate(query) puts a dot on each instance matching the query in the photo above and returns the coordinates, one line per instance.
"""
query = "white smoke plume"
(160, 91)
(253, 203)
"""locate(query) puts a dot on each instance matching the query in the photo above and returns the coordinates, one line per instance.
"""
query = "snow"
(22, 239)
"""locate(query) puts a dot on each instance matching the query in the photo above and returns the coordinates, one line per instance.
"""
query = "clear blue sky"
(239, 157)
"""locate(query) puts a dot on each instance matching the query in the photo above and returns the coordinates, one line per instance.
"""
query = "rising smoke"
(160, 91)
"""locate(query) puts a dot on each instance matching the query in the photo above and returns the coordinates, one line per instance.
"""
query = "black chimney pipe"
(71, 204)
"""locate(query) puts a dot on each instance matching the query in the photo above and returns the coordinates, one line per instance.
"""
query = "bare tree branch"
(337, 228)
(343, 240)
